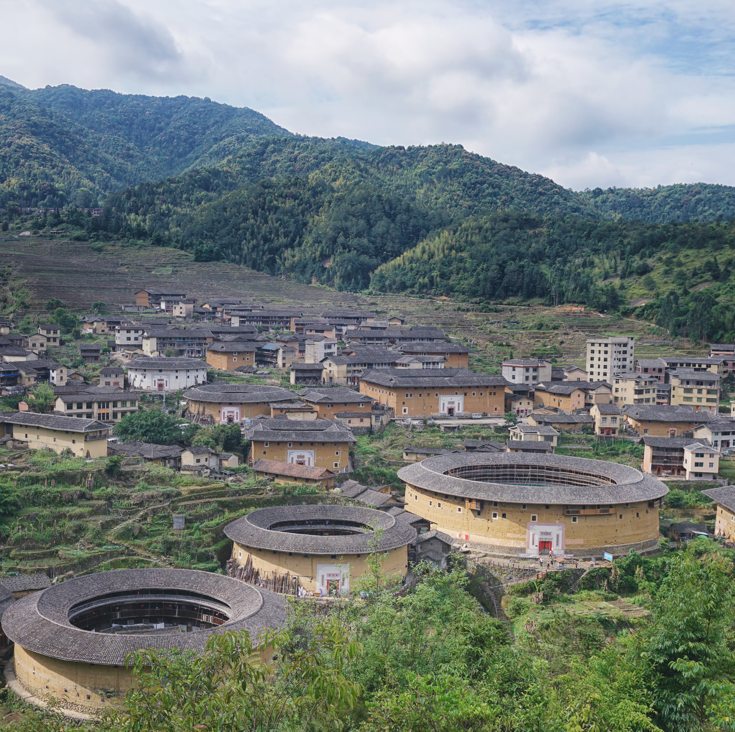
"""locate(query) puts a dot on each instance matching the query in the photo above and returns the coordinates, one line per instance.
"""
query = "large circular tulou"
(529, 505)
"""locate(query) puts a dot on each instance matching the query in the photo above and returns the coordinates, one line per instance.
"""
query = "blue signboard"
(607, 556)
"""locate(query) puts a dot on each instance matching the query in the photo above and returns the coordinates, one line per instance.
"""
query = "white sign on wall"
(545, 539)
(332, 579)
(301, 457)
(451, 404)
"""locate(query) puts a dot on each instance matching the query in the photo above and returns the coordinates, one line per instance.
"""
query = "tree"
(221, 437)
(99, 308)
(228, 686)
(43, 398)
(54, 303)
(150, 425)
(689, 644)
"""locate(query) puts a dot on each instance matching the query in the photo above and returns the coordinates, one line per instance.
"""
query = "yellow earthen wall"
(324, 453)
(247, 411)
(325, 411)
(72, 682)
(40, 437)
(426, 402)
(725, 523)
(639, 522)
(661, 429)
(229, 361)
(395, 562)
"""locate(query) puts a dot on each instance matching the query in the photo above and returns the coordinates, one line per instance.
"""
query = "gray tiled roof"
(562, 418)
(535, 429)
(300, 366)
(621, 484)
(296, 430)
(665, 414)
(232, 347)
(167, 363)
(724, 495)
(254, 530)
(333, 395)
(692, 374)
(433, 534)
(608, 408)
(567, 387)
(145, 450)
(433, 348)
(40, 622)
(52, 421)
(529, 445)
(674, 443)
(25, 582)
(431, 378)
(95, 394)
(274, 467)
(239, 394)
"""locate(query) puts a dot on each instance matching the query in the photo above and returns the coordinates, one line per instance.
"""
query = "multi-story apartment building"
(106, 404)
(526, 371)
(129, 335)
(609, 356)
(183, 342)
(635, 388)
(698, 390)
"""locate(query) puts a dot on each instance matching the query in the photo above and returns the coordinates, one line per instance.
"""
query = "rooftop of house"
(528, 445)
(526, 362)
(233, 347)
(433, 348)
(333, 395)
(52, 422)
(300, 366)
(608, 408)
(99, 393)
(674, 443)
(291, 470)
(431, 378)
(651, 363)
(222, 393)
(541, 429)
(25, 582)
(567, 387)
(281, 429)
(665, 414)
(112, 371)
(167, 363)
(562, 418)
(686, 374)
(145, 450)
(395, 334)
(724, 495)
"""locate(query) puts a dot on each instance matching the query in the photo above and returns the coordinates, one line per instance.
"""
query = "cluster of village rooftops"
(350, 373)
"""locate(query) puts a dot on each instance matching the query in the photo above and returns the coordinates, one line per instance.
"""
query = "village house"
(328, 401)
(417, 453)
(518, 403)
(315, 351)
(84, 437)
(389, 337)
(306, 373)
(654, 367)
(183, 342)
(321, 443)
(166, 374)
(37, 343)
(269, 319)
(183, 309)
(440, 392)
(663, 421)
(457, 356)
(529, 446)
(233, 403)
(635, 388)
(231, 355)
(564, 396)
(574, 373)
(199, 457)
(724, 497)
(529, 371)
(680, 457)
(293, 410)
(14, 354)
(420, 362)
(112, 376)
(168, 456)
(698, 390)
(90, 352)
(562, 422)
(608, 418)
(719, 432)
(52, 333)
(129, 336)
(291, 473)
(347, 370)
(103, 403)
(58, 374)
(153, 297)
(534, 433)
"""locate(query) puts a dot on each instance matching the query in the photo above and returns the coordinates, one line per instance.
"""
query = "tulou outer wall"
(305, 567)
(629, 526)
(329, 455)
(214, 409)
(58, 441)
(82, 686)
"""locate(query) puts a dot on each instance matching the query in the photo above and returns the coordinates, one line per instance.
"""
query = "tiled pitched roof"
(333, 395)
(145, 450)
(295, 430)
(222, 393)
(273, 467)
(430, 378)
(52, 422)
(167, 363)
(724, 495)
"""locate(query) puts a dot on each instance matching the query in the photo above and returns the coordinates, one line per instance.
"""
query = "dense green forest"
(678, 275)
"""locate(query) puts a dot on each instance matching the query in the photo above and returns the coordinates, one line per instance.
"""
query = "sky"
(588, 92)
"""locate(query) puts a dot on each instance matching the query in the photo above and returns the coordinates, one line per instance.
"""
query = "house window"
(431, 503)
(438, 504)
(523, 507)
(503, 515)
(459, 509)
(415, 498)
(267, 444)
(574, 519)
(495, 514)
(534, 517)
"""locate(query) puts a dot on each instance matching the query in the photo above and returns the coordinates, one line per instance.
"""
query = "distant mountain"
(10, 84)
(63, 145)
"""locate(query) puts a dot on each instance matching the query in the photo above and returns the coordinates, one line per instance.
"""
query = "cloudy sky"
(589, 92)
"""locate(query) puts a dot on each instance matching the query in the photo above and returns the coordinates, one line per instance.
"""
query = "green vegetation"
(149, 425)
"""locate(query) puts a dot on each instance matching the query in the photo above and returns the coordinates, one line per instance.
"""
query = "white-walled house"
(166, 374)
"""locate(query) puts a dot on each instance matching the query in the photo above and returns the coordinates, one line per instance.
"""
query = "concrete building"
(574, 373)
(635, 388)
(320, 443)
(68, 647)
(231, 355)
(233, 403)
(609, 356)
(52, 333)
(316, 351)
(719, 432)
(698, 390)
(129, 336)
(608, 418)
(655, 367)
(112, 376)
(319, 549)
(724, 497)
(166, 374)
(534, 433)
(526, 371)
(523, 504)
(84, 437)
(348, 370)
(428, 392)
(183, 342)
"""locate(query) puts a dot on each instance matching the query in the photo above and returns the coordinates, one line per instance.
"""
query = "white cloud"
(589, 91)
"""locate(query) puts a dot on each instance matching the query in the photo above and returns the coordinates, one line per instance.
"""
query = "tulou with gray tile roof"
(283, 529)
(239, 394)
(41, 622)
(431, 378)
(52, 422)
(280, 429)
(526, 478)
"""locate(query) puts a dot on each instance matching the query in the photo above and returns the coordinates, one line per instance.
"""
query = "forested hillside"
(63, 145)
